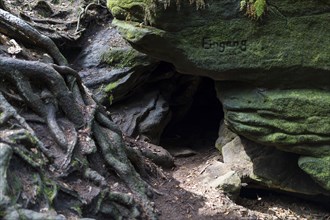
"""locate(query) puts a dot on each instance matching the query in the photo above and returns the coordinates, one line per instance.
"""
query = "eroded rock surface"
(141, 92)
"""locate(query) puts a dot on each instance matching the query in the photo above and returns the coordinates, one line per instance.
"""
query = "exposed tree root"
(17, 28)
(19, 213)
(7, 112)
(113, 150)
(5, 156)
(77, 126)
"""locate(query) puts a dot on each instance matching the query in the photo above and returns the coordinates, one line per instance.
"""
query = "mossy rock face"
(317, 168)
(125, 57)
(134, 68)
(276, 116)
(293, 120)
(221, 42)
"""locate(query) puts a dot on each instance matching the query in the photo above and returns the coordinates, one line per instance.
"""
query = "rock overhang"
(220, 42)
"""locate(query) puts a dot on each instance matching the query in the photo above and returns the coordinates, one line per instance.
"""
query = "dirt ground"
(185, 197)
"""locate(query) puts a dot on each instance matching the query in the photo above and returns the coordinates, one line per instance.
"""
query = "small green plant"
(151, 5)
(50, 189)
(254, 8)
(109, 89)
(200, 4)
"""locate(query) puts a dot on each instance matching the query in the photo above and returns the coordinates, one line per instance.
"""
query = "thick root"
(113, 150)
(19, 213)
(5, 156)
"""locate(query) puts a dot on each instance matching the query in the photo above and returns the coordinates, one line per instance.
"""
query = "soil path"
(185, 197)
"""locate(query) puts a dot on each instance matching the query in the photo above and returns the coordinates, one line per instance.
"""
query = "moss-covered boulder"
(278, 117)
(221, 42)
(295, 120)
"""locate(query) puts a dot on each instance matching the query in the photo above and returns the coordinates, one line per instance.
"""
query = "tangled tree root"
(37, 99)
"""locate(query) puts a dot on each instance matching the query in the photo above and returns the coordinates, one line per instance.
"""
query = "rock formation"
(272, 75)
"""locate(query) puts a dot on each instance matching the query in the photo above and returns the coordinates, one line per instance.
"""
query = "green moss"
(272, 47)
(110, 87)
(278, 117)
(254, 8)
(49, 189)
(145, 10)
(121, 9)
(317, 168)
(121, 58)
(77, 209)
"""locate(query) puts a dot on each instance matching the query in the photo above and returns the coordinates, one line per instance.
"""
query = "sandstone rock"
(220, 42)
(225, 136)
(111, 68)
(219, 175)
(138, 89)
(269, 167)
(181, 151)
(149, 108)
(143, 115)
(230, 183)
(277, 116)
(292, 120)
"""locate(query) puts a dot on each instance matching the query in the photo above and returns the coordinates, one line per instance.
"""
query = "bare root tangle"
(83, 12)
(67, 107)
(19, 71)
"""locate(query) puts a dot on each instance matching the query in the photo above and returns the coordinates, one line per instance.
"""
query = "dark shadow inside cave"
(198, 128)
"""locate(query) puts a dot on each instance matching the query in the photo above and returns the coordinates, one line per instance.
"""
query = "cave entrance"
(198, 128)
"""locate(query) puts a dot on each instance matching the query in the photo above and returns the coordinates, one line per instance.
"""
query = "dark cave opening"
(199, 126)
